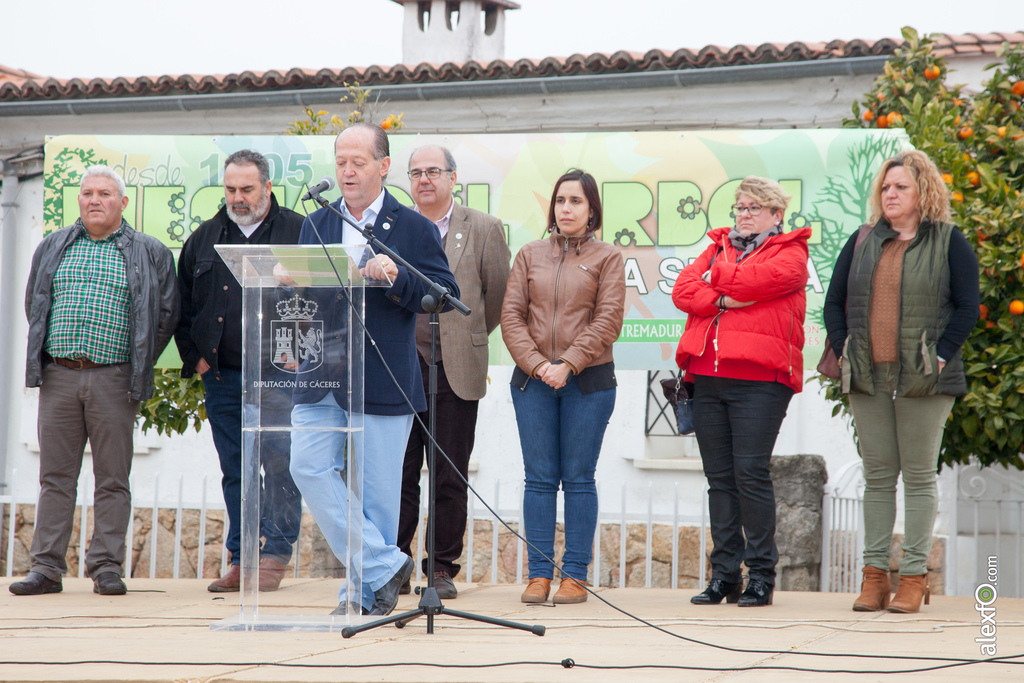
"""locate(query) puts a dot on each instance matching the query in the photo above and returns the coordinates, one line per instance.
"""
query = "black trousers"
(737, 422)
(456, 432)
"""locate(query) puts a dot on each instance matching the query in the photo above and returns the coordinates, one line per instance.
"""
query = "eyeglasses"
(753, 209)
(433, 173)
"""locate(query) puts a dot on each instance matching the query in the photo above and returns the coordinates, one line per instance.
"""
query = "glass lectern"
(301, 338)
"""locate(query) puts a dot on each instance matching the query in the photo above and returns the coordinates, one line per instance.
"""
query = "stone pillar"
(799, 482)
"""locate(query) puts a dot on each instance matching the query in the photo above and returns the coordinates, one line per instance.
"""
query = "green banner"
(661, 193)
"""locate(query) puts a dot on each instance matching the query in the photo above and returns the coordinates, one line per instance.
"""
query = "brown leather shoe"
(271, 573)
(909, 593)
(875, 590)
(444, 586)
(229, 583)
(569, 592)
(537, 590)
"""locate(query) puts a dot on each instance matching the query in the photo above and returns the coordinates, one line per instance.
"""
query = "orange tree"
(978, 144)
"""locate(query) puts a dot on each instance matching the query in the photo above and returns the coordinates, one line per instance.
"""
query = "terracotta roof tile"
(18, 85)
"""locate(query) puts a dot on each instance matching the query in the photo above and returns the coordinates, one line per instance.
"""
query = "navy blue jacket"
(390, 312)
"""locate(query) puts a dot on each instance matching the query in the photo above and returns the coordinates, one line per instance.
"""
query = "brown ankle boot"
(271, 573)
(537, 590)
(570, 592)
(229, 583)
(909, 593)
(874, 591)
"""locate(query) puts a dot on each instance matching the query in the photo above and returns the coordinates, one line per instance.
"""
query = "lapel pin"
(458, 235)
(386, 226)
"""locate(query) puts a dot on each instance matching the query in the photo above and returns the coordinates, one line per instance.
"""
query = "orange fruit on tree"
(869, 115)
(957, 197)
(895, 117)
(947, 178)
(956, 121)
(973, 178)
(1018, 88)
(983, 309)
(1017, 306)
(989, 323)
(982, 237)
(883, 121)
(386, 124)
(1018, 136)
(1002, 131)
(932, 72)
(966, 132)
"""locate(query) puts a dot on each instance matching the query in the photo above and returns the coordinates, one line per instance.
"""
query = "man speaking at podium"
(318, 460)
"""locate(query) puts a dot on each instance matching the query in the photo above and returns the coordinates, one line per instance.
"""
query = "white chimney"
(438, 31)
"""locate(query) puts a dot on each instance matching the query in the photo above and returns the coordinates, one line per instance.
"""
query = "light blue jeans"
(318, 466)
(561, 431)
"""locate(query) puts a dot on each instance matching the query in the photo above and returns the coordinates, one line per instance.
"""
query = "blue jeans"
(319, 468)
(280, 502)
(561, 431)
(737, 422)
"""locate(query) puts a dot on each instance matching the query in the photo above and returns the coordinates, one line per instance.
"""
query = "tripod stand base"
(430, 606)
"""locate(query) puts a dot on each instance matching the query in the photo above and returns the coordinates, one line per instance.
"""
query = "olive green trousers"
(899, 435)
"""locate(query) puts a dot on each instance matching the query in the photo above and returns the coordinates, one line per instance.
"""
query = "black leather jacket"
(149, 268)
(203, 280)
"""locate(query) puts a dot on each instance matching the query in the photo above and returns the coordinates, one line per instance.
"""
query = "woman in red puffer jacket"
(745, 300)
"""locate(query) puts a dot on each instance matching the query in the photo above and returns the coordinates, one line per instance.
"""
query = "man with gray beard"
(209, 339)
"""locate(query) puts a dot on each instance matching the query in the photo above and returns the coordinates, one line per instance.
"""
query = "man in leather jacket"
(209, 338)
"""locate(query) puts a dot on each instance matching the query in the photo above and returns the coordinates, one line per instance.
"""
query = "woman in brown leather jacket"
(563, 310)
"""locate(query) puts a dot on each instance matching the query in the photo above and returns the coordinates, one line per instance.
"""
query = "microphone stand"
(433, 302)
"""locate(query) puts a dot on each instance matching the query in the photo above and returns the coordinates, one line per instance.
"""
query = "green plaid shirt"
(89, 316)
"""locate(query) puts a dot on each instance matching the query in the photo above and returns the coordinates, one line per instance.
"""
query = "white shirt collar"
(445, 220)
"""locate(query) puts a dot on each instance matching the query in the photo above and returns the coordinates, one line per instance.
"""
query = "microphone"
(323, 186)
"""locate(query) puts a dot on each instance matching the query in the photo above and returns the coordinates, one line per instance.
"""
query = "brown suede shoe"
(570, 592)
(229, 583)
(874, 591)
(537, 590)
(909, 593)
(271, 573)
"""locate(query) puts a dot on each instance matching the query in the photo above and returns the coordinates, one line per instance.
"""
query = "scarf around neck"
(746, 245)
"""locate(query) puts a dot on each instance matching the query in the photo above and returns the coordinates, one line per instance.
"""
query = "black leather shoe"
(35, 584)
(386, 599)
(717, 590)
(109, 583)
(443, 585)
(758, 594)
(342, 609)
(406, 588)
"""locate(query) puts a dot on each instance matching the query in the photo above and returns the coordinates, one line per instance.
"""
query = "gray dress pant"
(75, 406)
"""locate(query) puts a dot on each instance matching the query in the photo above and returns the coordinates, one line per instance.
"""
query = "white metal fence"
(987, 508)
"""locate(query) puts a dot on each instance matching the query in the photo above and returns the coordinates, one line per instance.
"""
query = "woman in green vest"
(900, 305)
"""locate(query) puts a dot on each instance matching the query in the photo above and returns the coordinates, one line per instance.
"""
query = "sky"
(148, 37)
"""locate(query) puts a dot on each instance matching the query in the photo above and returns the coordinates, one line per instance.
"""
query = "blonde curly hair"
(768, 193)
(932, 193)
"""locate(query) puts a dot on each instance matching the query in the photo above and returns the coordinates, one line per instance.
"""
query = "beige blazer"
(479, 256)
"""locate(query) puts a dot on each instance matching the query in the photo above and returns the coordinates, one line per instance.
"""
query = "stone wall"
(798, 479)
